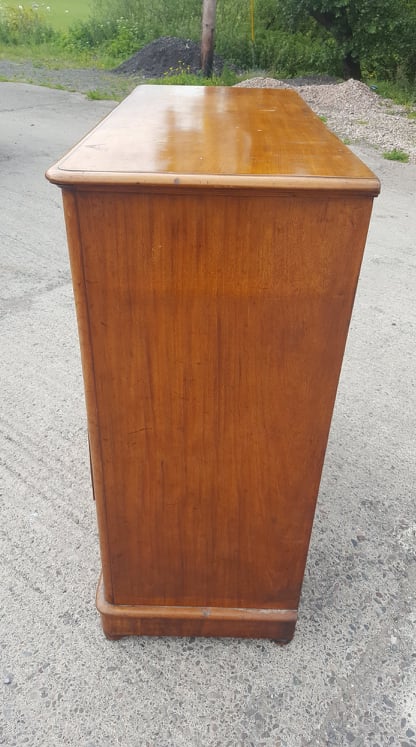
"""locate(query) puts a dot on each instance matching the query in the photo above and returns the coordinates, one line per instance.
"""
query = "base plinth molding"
(120, 620)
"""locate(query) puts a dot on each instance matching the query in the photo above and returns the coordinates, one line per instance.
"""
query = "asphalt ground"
(349, 675)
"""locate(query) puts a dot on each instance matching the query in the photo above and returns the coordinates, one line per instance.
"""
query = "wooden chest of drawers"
(215, 238)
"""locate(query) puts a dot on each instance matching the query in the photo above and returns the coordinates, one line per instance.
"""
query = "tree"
(209, 8)
(364, 30)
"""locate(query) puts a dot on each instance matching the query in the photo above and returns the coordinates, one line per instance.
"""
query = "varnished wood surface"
(123, 620)
(213, 313)
(226, 137)
(213, 330)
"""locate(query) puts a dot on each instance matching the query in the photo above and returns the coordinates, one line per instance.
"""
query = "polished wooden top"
(221, 137)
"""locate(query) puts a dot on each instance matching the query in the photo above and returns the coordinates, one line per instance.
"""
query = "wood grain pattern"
(216, 352)
(212, 325)
(199, 136)
(122, 620)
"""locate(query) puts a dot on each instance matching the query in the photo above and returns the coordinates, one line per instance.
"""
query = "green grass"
(185, 78)
(401, 92)
(61, 13)
(94, 33)
(56, 58)
(396, 155)
(97, 95)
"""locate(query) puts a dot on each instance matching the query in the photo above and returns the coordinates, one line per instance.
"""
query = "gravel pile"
(352, 110)
(355, 112)
(263, 83)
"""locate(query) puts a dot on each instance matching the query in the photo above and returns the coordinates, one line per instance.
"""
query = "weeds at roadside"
(400, 91)
(185, 78)
(97, 95)
(396, 154)
(112, 30)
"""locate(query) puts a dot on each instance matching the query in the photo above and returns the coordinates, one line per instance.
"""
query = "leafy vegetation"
(121, 27)
(401, 90)
(23, 25)
(96, 95)
(184, 77)
(369, 38)
(396, 155)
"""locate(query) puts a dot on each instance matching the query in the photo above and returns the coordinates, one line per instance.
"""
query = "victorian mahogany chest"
(215, 238)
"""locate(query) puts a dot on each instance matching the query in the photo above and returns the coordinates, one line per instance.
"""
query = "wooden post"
(207, 37)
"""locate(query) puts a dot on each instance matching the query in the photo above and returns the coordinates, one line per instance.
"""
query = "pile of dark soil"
(167, 56)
